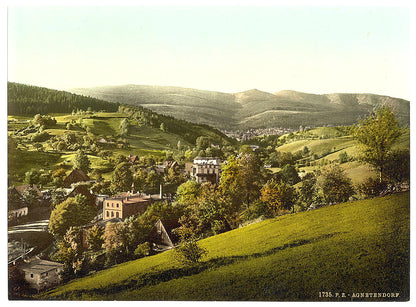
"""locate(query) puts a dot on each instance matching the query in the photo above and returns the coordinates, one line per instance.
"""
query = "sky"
(314, 49)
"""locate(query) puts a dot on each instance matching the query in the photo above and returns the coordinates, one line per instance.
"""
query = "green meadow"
(351, 248)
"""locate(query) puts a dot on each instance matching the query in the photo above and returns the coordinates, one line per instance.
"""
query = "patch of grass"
(360, 246)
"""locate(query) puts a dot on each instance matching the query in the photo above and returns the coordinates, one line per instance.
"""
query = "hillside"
(89, 124)
(252, 108)
(355, 247)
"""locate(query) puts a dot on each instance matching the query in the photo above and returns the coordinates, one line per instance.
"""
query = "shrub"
(336, 186)
(257, 209)
(343, 157)
(189, 252)
(40, 137)
(371, 187)
(142, 250)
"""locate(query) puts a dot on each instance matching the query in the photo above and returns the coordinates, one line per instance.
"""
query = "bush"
(257, 209)
(143, 250)
(371, 187)
(189, 252)
(336, 186)
(40, 137)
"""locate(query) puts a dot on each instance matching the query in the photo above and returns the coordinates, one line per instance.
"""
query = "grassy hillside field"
(142, 140)
(327, 143)
(350, 248)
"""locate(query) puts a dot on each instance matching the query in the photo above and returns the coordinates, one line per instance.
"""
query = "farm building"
(41, 274)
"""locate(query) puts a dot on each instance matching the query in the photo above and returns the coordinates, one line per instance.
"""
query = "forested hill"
(252, 108)
(30, 100)
(26, 100)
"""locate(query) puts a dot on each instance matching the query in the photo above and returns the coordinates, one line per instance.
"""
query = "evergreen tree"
(81, 161)
(122, 178)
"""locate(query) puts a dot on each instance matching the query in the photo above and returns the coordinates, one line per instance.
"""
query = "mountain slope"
(360, 246)
(252, 108)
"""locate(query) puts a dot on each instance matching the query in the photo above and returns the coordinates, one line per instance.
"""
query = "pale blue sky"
(229, 49)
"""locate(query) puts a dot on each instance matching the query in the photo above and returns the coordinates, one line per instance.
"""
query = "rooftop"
(40, 266)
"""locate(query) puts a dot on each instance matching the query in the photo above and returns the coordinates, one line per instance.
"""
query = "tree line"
(30, 100)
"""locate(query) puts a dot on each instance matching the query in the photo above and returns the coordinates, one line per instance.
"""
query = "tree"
(124, 127)
(377, 133)
(188, 193)
(70, 253)
(74, 211)
(397, 169)
(58, 177)
(95, 238)
(343, 157)
(278, 196)
(308, 190)
(203, 142)
(32, 177)
(241, 180)
(336, 186)
(189, 252)
(81, 161)
(57, 197)
(30, 197)
(230, 186)
(289, 174)
(122, 178)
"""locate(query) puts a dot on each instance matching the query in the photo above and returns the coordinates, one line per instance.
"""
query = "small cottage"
(42, 274)
(75, 176)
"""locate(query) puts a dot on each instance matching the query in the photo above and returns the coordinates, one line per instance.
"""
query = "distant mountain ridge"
(252, 108)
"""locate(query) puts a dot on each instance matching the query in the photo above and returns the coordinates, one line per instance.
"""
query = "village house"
(76, 176)
(162, 237)
(126, 205)
(83, 190)
(41, 274)
(18, 212)
(16, 206)
(205, 169)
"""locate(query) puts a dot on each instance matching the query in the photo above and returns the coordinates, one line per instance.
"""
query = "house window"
(117, 205)
(31, 275)
(112, 214)
(117, 215)
(108, 213)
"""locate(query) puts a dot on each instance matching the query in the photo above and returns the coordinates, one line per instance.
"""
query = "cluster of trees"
(106, 246)
(189, 131)
(31, 100)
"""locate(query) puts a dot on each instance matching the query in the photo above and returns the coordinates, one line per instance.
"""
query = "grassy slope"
(143, 140)
(333, 144)
(359, 246)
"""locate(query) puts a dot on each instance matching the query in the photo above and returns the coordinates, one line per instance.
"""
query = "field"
(354, 247)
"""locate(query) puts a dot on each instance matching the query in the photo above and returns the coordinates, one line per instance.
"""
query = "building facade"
(123, 207)
(205, 169)
(42, 274)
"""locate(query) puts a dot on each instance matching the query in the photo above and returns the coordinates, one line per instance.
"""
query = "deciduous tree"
(377, 134)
